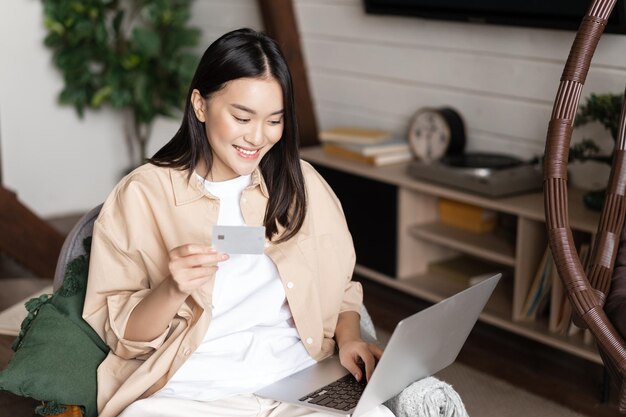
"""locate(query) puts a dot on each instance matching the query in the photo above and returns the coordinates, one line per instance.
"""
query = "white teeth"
(245, 151)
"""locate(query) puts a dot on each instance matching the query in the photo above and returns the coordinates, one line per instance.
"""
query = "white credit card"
(239, 239)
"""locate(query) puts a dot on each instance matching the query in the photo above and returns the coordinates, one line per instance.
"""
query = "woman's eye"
(275, 122)
(240, 120)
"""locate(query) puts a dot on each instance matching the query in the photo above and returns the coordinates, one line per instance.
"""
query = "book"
(393, 145)
(540, 287)
(346, 134)
(377, 160)
(558, 304)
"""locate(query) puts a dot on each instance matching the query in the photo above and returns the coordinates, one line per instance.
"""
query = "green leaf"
(52, 40)
(603, 108)
(93, 13)
(69, 22)
(140, 91)
(167, 17)
(120, 98)
(130, 61)
(54, 26)
(146, 41)
(101, 35)
(77, 7)
(101, 95)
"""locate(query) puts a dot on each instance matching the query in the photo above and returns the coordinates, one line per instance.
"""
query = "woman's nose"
(255, 136)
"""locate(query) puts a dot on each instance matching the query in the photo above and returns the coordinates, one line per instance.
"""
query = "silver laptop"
(420, 346)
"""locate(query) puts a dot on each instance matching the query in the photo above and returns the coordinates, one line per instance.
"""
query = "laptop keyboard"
(343, 394)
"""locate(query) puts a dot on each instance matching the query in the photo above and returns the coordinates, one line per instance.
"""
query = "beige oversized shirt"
(153, 210)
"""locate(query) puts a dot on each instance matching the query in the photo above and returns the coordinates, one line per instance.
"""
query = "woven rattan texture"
(587, 292)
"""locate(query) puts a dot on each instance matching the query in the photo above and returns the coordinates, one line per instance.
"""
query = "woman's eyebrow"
(249, 110)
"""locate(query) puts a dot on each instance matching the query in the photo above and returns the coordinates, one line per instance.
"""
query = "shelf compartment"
(488, 246)
(435, 287)
(497, 312)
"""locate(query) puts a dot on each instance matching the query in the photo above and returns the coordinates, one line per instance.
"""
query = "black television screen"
(553, 14)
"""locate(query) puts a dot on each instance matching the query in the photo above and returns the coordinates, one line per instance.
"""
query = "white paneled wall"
(377, 70)
(364, 70)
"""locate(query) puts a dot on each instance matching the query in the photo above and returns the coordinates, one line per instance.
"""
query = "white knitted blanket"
(428, 397)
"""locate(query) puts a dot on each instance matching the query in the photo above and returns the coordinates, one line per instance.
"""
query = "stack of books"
(547, 290)
(370, 146)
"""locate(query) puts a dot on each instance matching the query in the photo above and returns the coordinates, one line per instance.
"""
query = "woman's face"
(242, 122)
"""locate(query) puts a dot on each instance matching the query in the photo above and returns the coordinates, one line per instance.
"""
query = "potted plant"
(605, 109)
(133, 55)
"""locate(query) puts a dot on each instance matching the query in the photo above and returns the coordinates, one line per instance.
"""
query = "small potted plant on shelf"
(133, 55)
(586, 160)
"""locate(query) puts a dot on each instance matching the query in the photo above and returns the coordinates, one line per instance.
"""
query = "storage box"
(466, 216)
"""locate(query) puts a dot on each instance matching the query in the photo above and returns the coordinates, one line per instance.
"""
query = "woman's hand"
(354, 354)
(193, 265)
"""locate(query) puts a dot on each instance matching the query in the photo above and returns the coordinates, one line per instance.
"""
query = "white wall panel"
(535, 80)
(497, 115)
(348, 19)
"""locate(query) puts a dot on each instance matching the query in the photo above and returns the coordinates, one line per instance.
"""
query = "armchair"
(587, 290)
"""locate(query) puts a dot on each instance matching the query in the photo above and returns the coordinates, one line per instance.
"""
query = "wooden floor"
(561, 377)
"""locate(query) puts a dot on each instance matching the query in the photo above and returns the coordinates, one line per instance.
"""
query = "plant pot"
(594, 200)
(589, 175)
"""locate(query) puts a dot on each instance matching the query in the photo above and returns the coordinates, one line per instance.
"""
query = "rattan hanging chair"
(588, 290)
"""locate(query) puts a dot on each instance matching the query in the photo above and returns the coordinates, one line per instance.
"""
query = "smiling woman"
(196, 332)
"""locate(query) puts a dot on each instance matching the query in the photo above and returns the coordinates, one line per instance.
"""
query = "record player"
(437, 139)
(493, 175)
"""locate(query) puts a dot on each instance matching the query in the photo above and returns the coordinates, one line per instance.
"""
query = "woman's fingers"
(193, 261)
(191, 249)
(359, 357)
(376, 351)
(192, 264)
(370, 362)
(353, 367)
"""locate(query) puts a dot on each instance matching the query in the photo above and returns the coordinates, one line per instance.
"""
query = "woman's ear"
(198, 103)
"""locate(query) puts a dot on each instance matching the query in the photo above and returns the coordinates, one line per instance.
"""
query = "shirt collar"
(188, 190)
(258, 180)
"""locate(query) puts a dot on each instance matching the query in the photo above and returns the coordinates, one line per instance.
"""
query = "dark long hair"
(245, 53)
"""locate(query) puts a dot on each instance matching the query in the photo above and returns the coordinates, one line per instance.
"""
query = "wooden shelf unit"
(422, 241)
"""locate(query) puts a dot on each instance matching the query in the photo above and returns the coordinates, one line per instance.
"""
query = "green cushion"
(57, 353)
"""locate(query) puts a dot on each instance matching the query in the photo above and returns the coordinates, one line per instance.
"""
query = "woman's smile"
(247, 153)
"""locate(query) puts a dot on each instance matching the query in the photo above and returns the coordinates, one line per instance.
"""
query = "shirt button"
(309, 340)
(290, 285)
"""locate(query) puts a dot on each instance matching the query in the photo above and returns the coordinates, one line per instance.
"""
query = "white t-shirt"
(252, 340)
